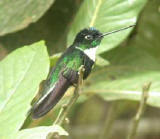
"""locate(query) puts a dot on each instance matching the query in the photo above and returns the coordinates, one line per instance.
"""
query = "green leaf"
(16, 15)
(124, 78)
(51, 27)
(101, 61)
(54, 58)
(106, 15)
(40, 132)
(133, 65)
(20, 75)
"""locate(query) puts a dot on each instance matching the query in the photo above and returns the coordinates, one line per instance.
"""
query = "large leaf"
(124, 78)
(15, 15)
(132, 65)
(51, 27)
(40, 132)
(106, 15)
(20, 75)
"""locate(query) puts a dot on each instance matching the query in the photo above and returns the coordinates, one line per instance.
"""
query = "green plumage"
(65, 72)
(71, 60)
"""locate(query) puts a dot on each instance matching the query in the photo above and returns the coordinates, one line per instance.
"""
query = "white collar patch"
(91, 52)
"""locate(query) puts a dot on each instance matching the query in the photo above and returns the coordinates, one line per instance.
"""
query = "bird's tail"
(44, 105)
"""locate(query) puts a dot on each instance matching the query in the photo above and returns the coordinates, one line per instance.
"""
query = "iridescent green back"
(70, 59)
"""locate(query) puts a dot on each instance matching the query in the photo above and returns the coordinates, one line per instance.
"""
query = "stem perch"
(140, 111)
(65, 108)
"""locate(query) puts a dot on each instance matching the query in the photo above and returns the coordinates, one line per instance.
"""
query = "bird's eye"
(88, 37)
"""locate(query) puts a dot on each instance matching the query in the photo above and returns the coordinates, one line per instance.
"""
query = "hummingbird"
(65, 72)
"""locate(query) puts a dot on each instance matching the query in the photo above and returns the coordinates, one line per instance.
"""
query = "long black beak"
(114, 31)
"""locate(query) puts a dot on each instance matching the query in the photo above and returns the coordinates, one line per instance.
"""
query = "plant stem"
(65, 108)
(109, 120)
(140, 111)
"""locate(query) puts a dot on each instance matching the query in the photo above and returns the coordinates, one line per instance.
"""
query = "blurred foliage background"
(125, 61)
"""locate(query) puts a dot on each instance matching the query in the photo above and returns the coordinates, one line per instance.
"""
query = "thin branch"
(65, 108)
(140, 111)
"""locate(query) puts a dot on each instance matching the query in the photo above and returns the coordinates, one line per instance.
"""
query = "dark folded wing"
(51, 99)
